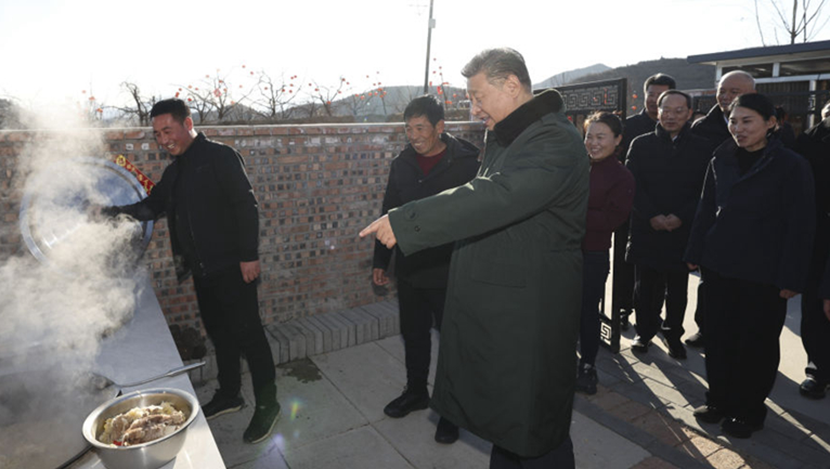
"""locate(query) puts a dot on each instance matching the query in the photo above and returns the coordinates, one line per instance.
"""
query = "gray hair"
(738, 73)
(497, 65)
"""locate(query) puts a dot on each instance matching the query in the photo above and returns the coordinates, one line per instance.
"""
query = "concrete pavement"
(337, 372)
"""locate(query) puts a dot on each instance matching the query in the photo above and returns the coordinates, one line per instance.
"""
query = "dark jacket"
(713, 127)
(759, 226)
(428, 268)
(609, 204)
(824, 287)
(636, 125)
(669, 176)
(814, 145)
(508, 336)
(221, 208)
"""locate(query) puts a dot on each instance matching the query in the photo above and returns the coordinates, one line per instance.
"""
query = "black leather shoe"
(447, 432)
(739, 428)
(586, 379)
(406, 403)
(696, 340)
(676, 348)
(639, 345)
(812, 388)
(708, 414)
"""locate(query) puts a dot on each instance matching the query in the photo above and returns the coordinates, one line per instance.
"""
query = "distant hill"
(688, 76)
(571, 75)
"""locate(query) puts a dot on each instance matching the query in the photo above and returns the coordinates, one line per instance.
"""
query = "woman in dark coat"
(609, 204)
(752, 238)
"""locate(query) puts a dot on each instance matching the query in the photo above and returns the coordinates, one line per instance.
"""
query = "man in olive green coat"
(507, 359)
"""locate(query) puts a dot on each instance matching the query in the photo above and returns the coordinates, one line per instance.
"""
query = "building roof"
(806, 48)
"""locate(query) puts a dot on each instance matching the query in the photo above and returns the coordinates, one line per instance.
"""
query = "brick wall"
(317, 186)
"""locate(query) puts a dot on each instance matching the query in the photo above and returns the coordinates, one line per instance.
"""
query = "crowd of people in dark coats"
(733, 195)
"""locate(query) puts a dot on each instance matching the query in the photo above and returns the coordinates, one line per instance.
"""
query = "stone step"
(322, 333)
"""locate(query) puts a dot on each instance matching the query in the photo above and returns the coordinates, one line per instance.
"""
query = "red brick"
(302, 275)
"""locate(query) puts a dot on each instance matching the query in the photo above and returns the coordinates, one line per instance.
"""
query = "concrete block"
(359, 323)
(391, 308)
(366, 325)
(283, 344)
(324, 330)
(296, 340)
(348, 327)
(336, 329)
(313, 336)
(387, 319)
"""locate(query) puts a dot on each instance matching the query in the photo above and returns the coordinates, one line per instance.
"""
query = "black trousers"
(652, 288)
(743, 327)
(230, 312)
(815, 334)
(594, 275)
(700, 315)
(420, 310)
(559, 458)
(623, 288)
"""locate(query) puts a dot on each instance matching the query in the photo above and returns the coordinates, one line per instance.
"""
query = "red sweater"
(609, 203)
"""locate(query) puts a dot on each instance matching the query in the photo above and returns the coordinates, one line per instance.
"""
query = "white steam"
(55, 312)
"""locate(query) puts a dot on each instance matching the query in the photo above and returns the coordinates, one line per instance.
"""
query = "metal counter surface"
(144, 348)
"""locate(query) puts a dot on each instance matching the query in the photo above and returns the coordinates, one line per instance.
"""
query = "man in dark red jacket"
(432, 162)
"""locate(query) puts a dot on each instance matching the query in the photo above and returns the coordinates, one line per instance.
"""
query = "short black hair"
(173, 106)
(666, 93)
(659, 79)
(497, 65)
(610, 119)
(757, 102)
(426, 105)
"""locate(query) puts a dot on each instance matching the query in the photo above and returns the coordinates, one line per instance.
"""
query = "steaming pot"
(68, 188)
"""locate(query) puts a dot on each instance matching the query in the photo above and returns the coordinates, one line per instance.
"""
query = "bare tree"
(327, 95)
(274, 98)
(142, 105)
(806, 19)
(214, 95)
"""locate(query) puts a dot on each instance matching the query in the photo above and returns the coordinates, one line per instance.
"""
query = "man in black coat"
(814, 144)
(668, 165)
(636, 125)
(714, 128)
(432, 162)
(214, 232)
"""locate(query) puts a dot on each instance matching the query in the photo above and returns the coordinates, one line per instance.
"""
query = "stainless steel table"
(147, 336)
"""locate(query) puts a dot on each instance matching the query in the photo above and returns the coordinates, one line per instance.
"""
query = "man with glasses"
(668, 165)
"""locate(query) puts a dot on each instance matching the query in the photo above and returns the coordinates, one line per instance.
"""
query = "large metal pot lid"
(57, 199)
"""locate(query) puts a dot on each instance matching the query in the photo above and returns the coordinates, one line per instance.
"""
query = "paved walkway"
(338, 371)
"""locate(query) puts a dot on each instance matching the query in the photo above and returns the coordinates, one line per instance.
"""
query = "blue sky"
(52, 51)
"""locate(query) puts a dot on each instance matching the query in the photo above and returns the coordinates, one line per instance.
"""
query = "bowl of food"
(141, 430)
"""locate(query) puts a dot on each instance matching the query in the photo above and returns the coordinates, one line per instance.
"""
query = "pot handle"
(172, 372)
